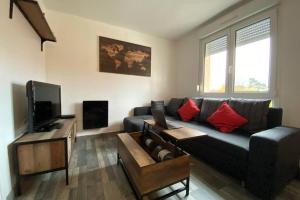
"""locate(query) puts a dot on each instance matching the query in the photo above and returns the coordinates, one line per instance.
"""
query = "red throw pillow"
(226, 119)
(188, 110)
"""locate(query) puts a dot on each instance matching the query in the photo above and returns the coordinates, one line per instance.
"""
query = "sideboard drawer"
(39, 157)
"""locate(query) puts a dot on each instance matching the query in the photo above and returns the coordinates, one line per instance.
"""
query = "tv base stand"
(50, 127)
(43, 152)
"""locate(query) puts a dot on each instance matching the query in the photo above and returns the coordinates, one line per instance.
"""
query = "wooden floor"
(94, 174)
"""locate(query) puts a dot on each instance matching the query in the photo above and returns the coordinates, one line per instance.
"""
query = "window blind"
(255, 32)
(216, 46)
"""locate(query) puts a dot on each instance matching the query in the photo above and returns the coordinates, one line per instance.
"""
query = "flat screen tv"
(44, 105)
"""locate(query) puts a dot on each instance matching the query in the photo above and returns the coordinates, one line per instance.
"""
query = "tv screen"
(44, 104)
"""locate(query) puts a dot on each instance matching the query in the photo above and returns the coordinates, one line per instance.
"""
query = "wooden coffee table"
(147, 124)
(181, 134)
(178, 134)
(184, 133)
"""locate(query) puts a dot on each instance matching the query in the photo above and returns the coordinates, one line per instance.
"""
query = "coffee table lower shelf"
(185, 182)
(144, 174)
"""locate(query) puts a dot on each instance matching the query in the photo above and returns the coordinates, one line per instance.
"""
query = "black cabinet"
(95, 114)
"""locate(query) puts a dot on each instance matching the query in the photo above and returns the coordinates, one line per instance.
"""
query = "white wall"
(289, 61)
(73, 62)
(188, 47)
(20, 61)
(288, 50)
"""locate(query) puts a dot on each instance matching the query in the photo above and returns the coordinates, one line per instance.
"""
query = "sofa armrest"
(145, 110)
(273, 160)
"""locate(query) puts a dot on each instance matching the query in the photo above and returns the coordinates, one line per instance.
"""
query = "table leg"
(148, 127)
(144, 127)
(18, 185)
(67, 176)
(187, 190)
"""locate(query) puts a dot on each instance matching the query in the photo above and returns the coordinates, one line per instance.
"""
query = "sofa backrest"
(274, 117)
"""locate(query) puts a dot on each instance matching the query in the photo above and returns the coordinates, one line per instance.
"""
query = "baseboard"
(79, 134)
(11, 195)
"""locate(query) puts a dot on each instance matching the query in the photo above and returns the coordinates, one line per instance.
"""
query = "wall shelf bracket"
(33, 13)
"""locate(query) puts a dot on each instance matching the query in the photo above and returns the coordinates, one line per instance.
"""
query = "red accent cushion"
(188, 110)
(226, 119)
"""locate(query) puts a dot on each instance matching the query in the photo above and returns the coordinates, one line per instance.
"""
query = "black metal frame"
(140, 196)
(11, 7)
(178, 150)
(16, 163)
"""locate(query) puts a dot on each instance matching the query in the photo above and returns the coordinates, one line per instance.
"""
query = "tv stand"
(43, 152)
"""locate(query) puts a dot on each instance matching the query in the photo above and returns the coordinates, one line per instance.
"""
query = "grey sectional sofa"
(266, 160)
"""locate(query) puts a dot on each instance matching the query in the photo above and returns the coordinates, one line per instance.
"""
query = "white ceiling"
(164, 18)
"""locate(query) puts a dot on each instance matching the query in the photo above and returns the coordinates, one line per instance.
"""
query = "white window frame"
(231, 33)
(203, 47)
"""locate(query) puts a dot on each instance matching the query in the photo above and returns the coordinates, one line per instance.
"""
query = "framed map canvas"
(124, 58)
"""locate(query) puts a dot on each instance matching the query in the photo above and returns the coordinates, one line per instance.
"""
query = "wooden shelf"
(35, 16)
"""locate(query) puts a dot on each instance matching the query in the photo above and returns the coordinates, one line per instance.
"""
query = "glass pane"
(215, 65)
(252, 58)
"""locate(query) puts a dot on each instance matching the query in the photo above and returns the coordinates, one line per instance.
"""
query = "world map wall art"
(124, 58)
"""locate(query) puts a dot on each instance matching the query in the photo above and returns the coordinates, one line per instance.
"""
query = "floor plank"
(94, 174)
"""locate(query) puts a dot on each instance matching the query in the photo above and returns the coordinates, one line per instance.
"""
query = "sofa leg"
(243, 183)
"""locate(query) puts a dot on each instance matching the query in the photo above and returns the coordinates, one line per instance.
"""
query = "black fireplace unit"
(95, 114)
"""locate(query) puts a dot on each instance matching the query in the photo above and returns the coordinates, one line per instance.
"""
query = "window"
(238, 60)
(215, 65)
(252, 58)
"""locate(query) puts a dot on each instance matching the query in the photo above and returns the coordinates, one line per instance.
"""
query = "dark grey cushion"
(197, 100)
(209, 106)
(237, 139)
(145, 110)
(158, 105)
(228, 152)
(255, 111)
(173, 106)
(136, 123)
(235, 143)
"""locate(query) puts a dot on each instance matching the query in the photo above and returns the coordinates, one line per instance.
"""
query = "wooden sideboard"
(43, 152)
